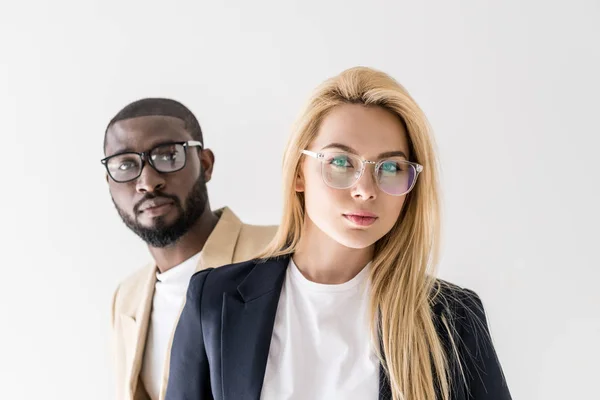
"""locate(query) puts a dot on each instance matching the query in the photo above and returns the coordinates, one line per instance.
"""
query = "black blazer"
(222, 340)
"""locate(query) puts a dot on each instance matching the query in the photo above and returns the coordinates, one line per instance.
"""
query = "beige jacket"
(231, 241)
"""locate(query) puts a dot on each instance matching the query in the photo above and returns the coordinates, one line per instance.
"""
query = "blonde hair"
(402, 272)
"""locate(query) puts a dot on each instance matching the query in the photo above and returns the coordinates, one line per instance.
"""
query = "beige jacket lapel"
(135, 327)
(217, 251)
(219, 248)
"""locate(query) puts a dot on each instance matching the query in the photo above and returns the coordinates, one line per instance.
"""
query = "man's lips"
(155, 205)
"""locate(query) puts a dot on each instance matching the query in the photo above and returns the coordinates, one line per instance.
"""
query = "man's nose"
(149, 180)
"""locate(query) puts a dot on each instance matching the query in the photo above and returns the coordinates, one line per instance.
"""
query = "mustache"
(151, 196)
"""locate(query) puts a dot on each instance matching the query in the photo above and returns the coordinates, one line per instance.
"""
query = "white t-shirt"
(169, 296)
(321, 346)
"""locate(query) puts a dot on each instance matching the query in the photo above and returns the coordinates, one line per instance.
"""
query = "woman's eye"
(390, 167)
(341, 162)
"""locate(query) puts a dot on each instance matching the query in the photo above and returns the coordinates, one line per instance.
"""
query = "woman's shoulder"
(457, 304)
(448, 294)
(449, 291)
(459, 317)
(462, 325)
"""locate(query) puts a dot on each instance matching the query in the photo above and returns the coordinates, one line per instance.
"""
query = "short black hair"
(159, 106)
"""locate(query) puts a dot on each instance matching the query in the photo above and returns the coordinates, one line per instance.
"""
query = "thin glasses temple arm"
(193, 143)
(311, 154)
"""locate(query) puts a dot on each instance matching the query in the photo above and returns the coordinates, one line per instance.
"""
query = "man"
(157, 169)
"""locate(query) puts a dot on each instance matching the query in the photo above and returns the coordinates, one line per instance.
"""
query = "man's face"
(159, 207)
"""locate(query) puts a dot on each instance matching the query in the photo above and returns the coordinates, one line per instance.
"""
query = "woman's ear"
(299, 181)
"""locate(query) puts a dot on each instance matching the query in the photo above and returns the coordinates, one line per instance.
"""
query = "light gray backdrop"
(511, 89)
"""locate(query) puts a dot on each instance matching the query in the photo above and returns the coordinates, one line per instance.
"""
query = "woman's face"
(360, 215)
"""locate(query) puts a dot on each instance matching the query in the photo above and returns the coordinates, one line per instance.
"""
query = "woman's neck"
(323, 260)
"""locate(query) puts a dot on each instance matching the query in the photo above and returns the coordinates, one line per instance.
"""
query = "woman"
(344, 303)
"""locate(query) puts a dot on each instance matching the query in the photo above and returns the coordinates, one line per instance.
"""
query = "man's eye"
(126, 165)
(169, 157)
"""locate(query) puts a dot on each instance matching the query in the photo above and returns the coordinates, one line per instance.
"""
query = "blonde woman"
(344, 303)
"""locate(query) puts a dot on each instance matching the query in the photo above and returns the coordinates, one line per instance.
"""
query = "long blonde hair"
(402, 272)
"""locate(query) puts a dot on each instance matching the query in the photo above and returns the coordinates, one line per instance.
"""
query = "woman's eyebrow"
(349, 149)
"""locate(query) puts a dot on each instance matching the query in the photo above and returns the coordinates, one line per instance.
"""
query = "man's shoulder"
(138, 277)
(130, 289)
(250, 231)
(252, 240)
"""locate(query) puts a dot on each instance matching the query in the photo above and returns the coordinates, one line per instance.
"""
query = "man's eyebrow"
(124, 150)
(349, 149)
(152, 146)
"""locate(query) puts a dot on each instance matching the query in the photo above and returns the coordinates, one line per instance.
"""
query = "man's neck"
(188, 245)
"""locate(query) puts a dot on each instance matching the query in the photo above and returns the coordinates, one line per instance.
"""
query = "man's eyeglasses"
(340, 170)
(169, 157)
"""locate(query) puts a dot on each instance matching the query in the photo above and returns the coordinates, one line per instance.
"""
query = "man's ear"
(207, 161)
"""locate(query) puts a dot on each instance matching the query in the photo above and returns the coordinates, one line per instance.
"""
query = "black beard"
(163, 235)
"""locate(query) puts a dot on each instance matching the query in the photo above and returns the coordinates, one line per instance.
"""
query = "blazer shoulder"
(461, 310)
(460, 315)
(451, 297)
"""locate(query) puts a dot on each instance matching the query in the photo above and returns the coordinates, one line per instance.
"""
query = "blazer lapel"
(142, 320)
(220, 245)
(248, 317)
(217, 251)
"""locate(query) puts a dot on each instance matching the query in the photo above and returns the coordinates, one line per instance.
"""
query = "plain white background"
(511, 89)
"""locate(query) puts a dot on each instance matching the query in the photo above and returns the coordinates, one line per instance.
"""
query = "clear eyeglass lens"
(124, 167)
(168, 158)
(341, 170)
(395, 175)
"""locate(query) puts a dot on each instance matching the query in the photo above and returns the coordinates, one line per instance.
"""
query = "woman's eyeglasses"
(127, 166)
(340, 170)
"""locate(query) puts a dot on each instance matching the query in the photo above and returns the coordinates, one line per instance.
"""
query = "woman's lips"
(362, 219)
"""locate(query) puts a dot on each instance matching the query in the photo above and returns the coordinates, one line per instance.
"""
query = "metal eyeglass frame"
(321, 157)
(144, 156)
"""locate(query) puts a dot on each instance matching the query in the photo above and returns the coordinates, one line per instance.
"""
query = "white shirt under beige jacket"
(231, 241)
